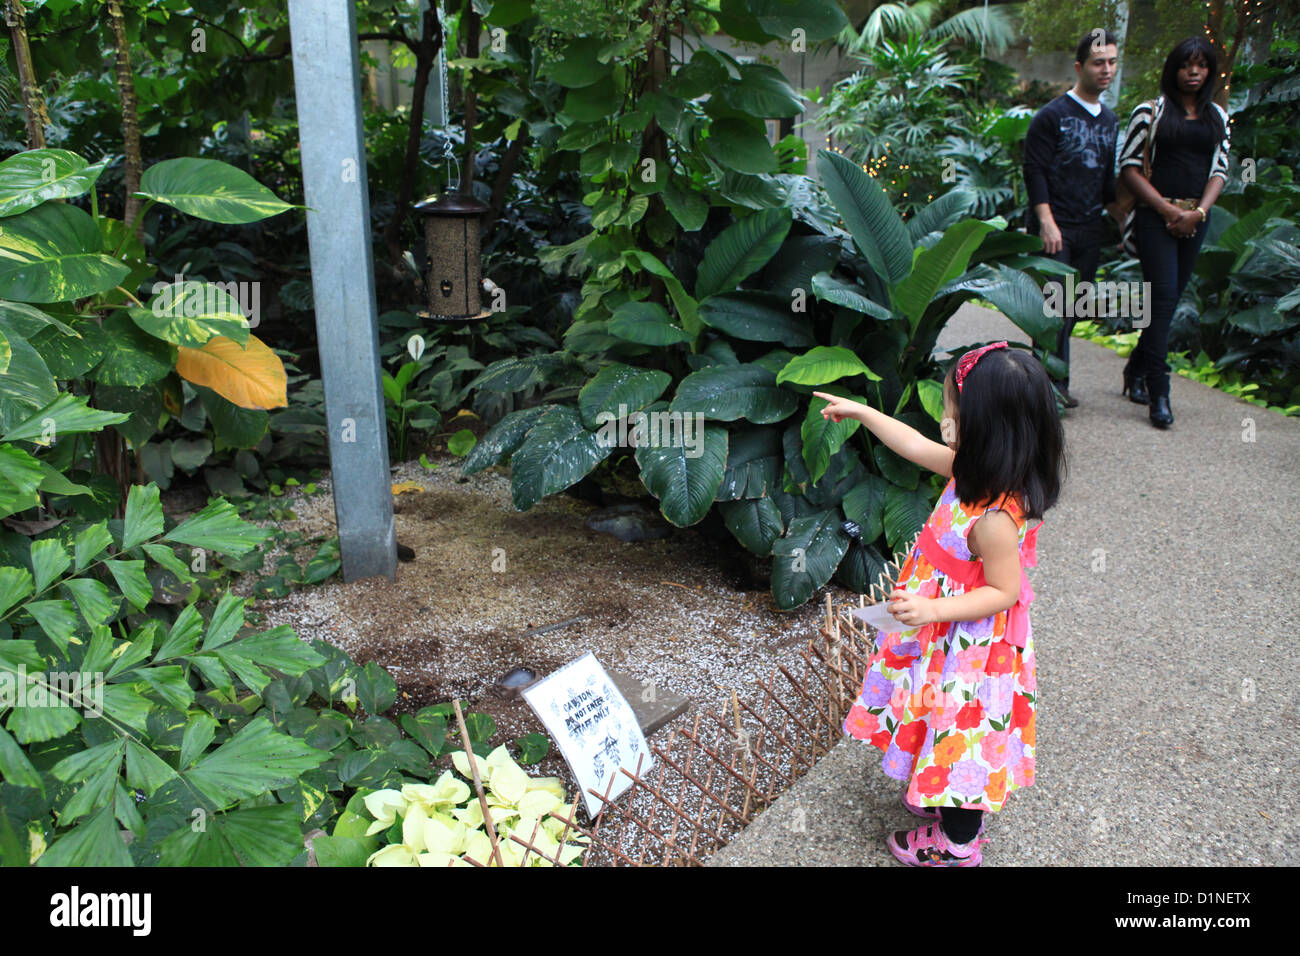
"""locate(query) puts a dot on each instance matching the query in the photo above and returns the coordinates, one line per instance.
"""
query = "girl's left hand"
(910, 608)
(1185, 225)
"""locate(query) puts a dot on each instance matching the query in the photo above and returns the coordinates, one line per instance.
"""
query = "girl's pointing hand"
(838, 408)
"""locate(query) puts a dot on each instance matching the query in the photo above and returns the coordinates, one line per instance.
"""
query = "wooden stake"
(478, 784)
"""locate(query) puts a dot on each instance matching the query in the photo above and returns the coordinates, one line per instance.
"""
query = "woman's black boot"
(1160, 414)
(1135, 386)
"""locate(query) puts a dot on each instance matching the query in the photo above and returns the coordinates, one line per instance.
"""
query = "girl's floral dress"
(952, 704)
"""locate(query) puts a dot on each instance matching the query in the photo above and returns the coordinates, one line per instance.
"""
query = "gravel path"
(1167, 612)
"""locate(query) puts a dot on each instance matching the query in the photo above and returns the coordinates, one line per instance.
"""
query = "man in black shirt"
(1070, 172)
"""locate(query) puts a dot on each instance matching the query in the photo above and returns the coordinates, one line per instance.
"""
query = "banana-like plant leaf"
(754, 463)
(728, 392)
(870, 217)
(620, 390)
(806, 556)
(849, 296)
(824, 364)
(685, 471)
(935, 267)
(741, 250)
(190, 313)
(757, 317)
(557, 452)
(755, 522)
(503, 438)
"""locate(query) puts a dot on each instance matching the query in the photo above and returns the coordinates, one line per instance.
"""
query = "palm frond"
(994, 27)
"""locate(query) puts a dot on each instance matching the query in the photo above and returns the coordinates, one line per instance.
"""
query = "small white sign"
(878, 617)
(594, 726)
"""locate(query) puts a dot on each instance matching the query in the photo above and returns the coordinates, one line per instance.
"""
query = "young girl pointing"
(950, 697)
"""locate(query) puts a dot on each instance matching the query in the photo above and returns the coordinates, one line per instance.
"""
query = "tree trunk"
(431, 36)
(504, 175)
(1121, 34)
(130, 121)
(33, 101)
(470, 27)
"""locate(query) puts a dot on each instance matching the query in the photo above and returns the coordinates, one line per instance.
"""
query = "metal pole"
(326, 71)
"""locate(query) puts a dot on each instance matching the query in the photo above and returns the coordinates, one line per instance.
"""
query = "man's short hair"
(1083, 53)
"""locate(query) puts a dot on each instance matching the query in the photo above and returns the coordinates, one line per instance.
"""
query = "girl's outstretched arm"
(900, 438)
(996, 540)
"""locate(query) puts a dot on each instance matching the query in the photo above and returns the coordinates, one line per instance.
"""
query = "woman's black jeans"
(1167, 264)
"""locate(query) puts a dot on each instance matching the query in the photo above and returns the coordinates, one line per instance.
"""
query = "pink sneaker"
(927, 846)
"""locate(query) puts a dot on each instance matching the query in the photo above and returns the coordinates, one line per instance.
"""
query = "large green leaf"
(757, 317)
(557, 452)
(256, 759)
(278, 648)
(864, 206)
(740, 250)
(92, 598)
(66, 415)
(144, 516)
(257, 836)
(763, 91)
(53, 253)
(905, 514)
(15, 584)
(685, 471)
(26, 384)
(686, 305)
(755, 522)
(15, 766)
(806, 557)
(824, 364)
(95, 842)
(821, 438)
(864, 505)
(503, 438)
(49, 560)
(1016, 296)
(210, 189)
(143, 407)
(90, 543)
(849, 296)
(862, 567)
(233, 426)
(575, 64)
(218, 527)
(132, 357)
(736, 145)
(69, 356)
(817, 20)
(645, 323)
(620, 390)
(688, 207)
(754, 462)
(20, 476)
(189, 313)
(936, 266)
(30, 178)
(58, 619)
(33, 724)
(728, 392)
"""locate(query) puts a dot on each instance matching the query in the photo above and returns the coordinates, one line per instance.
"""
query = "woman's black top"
(1184, 158)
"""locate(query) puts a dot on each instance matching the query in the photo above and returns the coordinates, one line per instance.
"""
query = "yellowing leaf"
(250, 376)
(404, 487)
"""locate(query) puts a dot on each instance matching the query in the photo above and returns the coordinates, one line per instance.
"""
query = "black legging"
(1167, 264)
(960, 825)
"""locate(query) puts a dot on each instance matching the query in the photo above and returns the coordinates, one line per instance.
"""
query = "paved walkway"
(1169, 676)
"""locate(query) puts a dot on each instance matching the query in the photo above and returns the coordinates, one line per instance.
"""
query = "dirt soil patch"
(683, 612)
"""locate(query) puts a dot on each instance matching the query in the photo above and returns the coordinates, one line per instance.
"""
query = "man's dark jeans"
(1081, 248)
(1167, 264)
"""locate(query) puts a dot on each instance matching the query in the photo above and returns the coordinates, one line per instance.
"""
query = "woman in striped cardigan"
(1188, 163)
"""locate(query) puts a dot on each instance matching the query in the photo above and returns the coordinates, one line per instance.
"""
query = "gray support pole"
(326, 77)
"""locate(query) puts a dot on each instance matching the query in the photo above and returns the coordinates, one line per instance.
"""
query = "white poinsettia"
(413, 827)
(384, 805)
(444, 834)
(538, 803)
(471, 814)
(508, 783)
(396, 854)
(447, 792)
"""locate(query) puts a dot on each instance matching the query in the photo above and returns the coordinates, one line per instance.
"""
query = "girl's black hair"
(1172, 120)
(1009, 435)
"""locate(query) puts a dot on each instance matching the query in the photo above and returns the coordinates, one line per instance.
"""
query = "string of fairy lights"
(876, 167)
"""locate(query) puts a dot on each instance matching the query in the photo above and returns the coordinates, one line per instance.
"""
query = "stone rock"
(629, 522)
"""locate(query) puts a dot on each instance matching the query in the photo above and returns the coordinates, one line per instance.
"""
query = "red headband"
(967, 361)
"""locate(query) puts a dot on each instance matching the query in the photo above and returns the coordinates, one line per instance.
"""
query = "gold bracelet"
(1202, 212)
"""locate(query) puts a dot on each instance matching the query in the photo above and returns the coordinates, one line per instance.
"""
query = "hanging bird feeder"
(453, 270)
